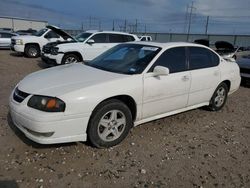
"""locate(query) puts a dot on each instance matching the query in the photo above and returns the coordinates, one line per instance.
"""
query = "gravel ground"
(197, 148)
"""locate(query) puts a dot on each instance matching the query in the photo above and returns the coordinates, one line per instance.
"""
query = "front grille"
(46, 49)
(243, 70)
(19, 96)
(13, 41)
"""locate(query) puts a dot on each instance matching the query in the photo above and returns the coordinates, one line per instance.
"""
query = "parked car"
(223, 48)
(226, 49)
(145, 38)
(5, 39)
(128, 85)
(204, 42)
(86, 46)
(244, 64)
(31, 45)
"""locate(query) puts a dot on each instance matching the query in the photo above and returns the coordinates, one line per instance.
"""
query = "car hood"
(224, 45)
(24, 37)
(64, 79)
(244, 63)
(60, 32)
(53, 44)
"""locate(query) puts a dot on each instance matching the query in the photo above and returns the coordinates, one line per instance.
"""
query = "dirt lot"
(193, 149)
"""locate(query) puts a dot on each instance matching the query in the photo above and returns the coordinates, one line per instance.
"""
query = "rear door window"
(100, 38)
(129, 38)
(200, 58)
(116, 38)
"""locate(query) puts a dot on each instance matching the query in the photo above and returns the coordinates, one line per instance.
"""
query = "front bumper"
(52, 59)
(17, 48)
(48, 128)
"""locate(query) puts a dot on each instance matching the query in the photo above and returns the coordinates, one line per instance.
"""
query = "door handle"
(185, 78)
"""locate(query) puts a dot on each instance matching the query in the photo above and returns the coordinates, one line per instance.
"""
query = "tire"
(109, 124)
(219, 97)
(70, 58)
(32, 51)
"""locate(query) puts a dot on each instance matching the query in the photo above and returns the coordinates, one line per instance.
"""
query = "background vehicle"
(31, 45)
(223, 48)
(5, 38)
(128, 85)
(226, 49)
(27, 32)
(86, 47)
(244, 64)
(145, 38)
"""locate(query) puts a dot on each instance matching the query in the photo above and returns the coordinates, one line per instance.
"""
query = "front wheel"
(109, 124)
(219, 97)
(70, 58)
(32, 51)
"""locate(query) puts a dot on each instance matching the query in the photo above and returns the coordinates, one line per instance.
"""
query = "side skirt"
(170, 113)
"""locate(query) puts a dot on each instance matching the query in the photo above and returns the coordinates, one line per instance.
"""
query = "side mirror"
(161, 71)
(90, 41)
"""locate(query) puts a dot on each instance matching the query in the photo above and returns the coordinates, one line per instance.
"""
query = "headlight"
(19, 41)
(54, 50)
(47, 104)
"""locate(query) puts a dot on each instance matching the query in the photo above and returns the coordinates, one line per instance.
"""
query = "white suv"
(31, 45)
(86, 46)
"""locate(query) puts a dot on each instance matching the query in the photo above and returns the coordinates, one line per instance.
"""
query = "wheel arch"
(228, 83)
(126, 99)
(78, 54)
(33, 43)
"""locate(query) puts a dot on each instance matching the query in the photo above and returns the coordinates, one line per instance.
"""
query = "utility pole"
(207, 25)
(125, 25)
(100, 25)
(136, 25)
(113, 25)
(82, 26)
(186, 20)
(90, 20)
(190, 19)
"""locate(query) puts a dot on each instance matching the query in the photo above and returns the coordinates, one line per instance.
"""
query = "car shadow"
(16, 54)
(8, 184)
(29, 142)
(43, 65)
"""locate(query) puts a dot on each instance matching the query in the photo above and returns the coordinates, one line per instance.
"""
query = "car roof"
(169, 44)
(110, 32)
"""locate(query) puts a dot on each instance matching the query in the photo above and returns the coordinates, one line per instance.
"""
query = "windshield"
(125, 58)
(40, 32)
(82, 36)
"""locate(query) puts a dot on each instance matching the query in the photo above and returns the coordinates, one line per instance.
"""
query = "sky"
(224, 16)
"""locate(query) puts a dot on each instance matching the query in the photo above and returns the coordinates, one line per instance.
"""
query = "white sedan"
(128, 85)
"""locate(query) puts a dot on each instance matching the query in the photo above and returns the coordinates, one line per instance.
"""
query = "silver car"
(5, 39)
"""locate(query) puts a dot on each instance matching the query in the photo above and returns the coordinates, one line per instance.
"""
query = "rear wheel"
(219, 97)
(70, 58)
(109, 124)
(32, 51)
